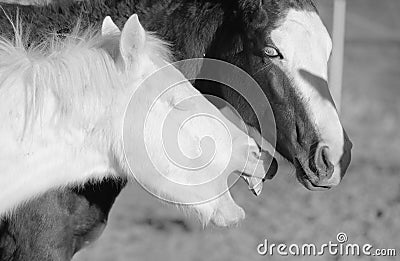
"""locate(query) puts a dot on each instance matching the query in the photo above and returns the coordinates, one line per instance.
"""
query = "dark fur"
(59, 223)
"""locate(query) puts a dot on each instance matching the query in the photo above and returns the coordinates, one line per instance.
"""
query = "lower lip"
(311, 187)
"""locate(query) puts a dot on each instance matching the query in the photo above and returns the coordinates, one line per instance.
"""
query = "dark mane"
(208, 23)
(202, 18)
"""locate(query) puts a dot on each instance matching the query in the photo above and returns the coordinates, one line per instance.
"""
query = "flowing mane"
(76, 68)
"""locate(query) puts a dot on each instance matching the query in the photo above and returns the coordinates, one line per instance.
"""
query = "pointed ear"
(109, 27)
(133, 39)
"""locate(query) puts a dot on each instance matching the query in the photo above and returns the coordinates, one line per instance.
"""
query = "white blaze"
(306, 46)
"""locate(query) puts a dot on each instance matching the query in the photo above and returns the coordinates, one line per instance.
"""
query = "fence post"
(336, 66)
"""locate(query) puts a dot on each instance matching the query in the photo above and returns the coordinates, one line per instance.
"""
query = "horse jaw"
(306, 46)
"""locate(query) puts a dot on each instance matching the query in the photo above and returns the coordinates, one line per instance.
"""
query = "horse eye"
(272, 52)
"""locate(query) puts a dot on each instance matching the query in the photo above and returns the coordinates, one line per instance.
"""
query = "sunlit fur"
(72, 67)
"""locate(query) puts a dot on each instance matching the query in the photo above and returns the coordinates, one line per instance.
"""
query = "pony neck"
(201, 33)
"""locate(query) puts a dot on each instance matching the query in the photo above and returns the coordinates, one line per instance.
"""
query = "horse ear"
(133, 39)
(109, 27)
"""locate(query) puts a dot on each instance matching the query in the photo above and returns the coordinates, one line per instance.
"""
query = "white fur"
(62, 107)
(306, 45)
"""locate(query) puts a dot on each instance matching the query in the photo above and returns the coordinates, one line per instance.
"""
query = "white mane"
(78, 69)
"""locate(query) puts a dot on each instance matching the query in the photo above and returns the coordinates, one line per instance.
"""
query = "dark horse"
(282, 44)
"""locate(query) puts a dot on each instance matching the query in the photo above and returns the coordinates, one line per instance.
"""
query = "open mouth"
(305, 180)
(255, 184)
(270, 164)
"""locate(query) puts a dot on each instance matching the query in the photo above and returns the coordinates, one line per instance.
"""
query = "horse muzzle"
(318, 173)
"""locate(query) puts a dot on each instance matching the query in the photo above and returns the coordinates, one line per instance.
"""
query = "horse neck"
(193, 33)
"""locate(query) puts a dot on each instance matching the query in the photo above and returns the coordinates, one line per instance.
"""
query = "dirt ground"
(366, 206)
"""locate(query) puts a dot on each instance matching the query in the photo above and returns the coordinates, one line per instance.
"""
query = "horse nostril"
(324, 167)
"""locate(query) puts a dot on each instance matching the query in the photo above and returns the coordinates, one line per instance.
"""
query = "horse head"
(287, 53)
(177, 144)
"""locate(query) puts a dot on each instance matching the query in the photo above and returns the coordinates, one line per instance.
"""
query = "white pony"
(87, 106)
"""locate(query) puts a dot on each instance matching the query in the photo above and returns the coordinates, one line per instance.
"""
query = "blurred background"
(366, 206)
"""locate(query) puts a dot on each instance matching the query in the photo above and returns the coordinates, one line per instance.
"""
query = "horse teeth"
(257, 189)
(246, 179)
(255, 185)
